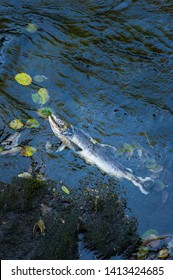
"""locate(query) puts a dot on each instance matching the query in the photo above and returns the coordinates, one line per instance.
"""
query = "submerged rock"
(95, 212)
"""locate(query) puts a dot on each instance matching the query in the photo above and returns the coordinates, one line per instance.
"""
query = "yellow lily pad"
(32, 123)
(41, 97)
(23, 79)
(65, 189)
(45, 112)
(28, 151)
(15, 124)
(31, 28)
(43, 92)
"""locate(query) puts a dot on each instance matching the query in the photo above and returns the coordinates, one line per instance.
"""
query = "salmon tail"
(140, 183)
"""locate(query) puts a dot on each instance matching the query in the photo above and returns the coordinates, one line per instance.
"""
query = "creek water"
(108, 68)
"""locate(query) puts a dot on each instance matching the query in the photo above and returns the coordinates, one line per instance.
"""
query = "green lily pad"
(127, 148)
(65, 189)
(32, 123)
(45, 112)
(148, 233)
(16, 124)
(159, 185)
(157, 169)
(28, 151)
(37, 98)
(150, 163)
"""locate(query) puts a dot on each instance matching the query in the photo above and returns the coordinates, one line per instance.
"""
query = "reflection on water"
(109, 71)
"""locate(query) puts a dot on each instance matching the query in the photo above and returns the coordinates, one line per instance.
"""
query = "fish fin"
(61, 147)
(139, 182)
(129, 169)
(109, 149)
(75, 147)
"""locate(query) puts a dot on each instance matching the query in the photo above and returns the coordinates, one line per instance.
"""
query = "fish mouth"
(57, 124)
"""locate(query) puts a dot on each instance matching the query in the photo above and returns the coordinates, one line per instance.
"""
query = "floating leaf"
(150, 163)
(127, 148)
(39, 225)
(23, 79)
(32, 123)
(1, 149)
(28, 151)
(24, 175)
(41, 97)
(39, 78)
(15, 124)
(159, 185)
(157, 169)
(142, 253)
(43, 93)
(37, 98)
(164, 253)
(45, 112)
(148, 233)
(65, 189)
(31, 28)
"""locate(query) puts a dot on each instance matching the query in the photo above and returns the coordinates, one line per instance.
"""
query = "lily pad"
(150, 163)
(148, 233)
(37, 98)
(28, 151)
(15, 124)
(43, 93)
(31, 28)
(65, 189)
(157, 169)
(23, 79)
(159, 185)
(39, 78)
(32, 123)
(127, 148)
(45, 112)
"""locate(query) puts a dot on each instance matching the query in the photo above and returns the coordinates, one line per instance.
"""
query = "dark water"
(109, 71)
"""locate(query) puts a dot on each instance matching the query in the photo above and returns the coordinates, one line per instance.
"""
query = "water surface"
(109, 71)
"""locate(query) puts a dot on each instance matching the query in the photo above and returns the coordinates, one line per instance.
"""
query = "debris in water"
(28, 151)
(16, 124)
(39, 226)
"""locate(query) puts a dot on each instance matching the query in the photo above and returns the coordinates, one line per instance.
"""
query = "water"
(109, 71)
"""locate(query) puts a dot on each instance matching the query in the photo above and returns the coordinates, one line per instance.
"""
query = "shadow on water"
(108, 68)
